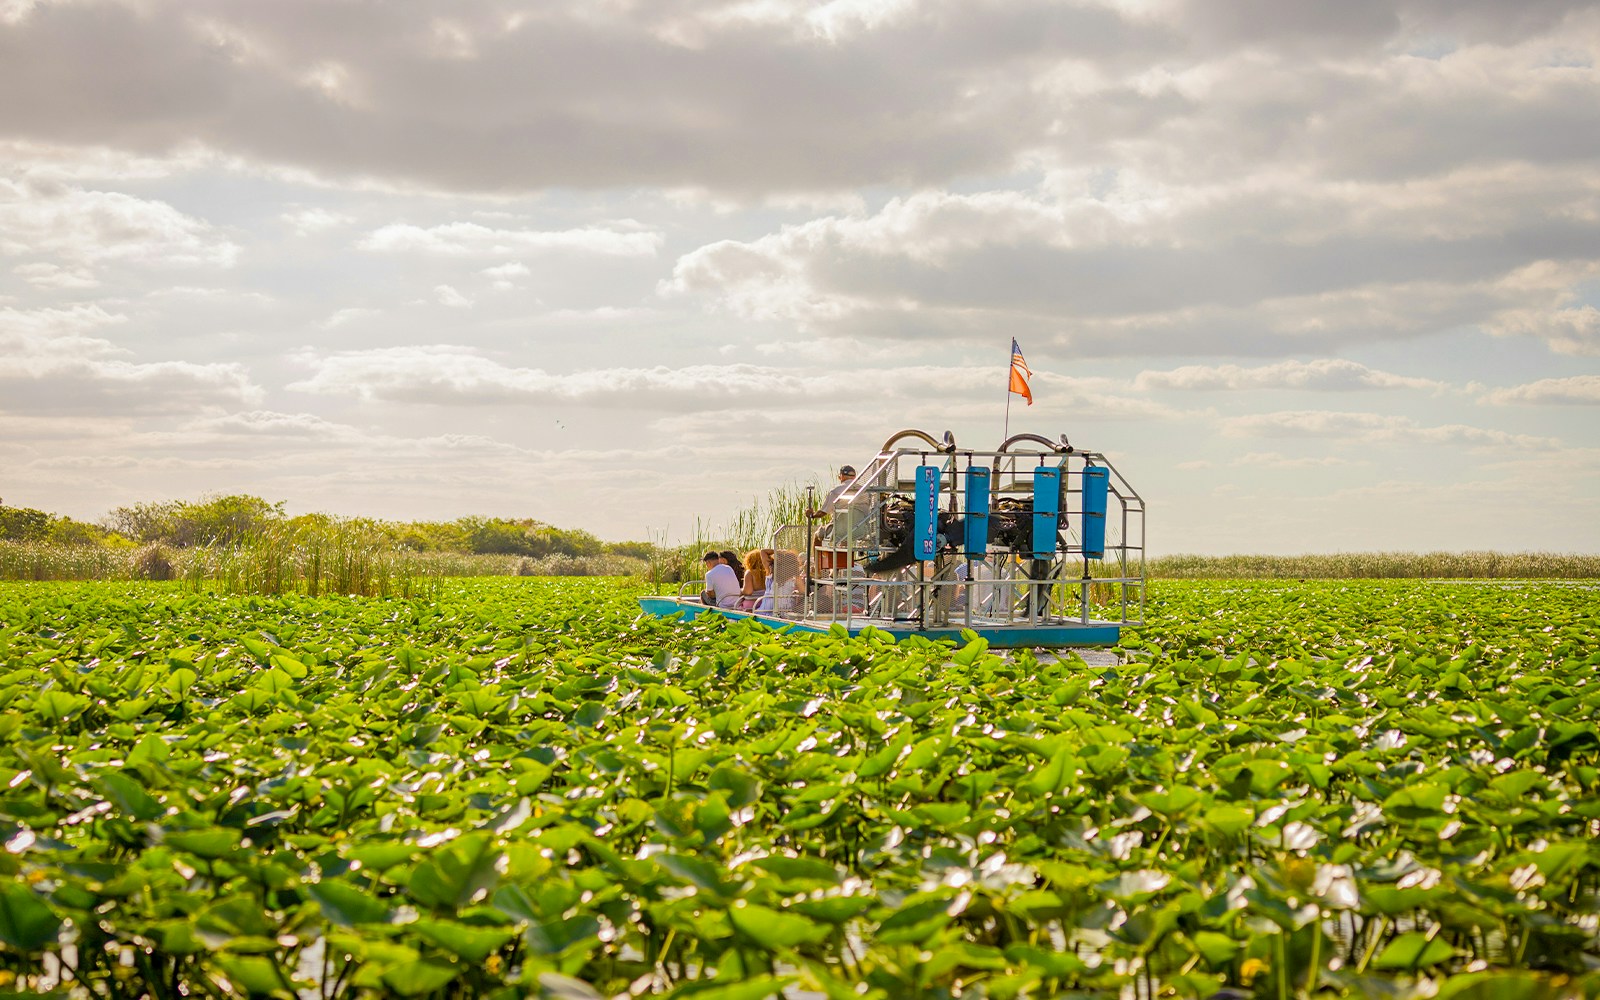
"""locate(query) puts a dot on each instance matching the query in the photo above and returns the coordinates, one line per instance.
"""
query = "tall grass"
(750, 528)
(45, 561)
(673, 564)
(324, 557)
(1381, 565)
(330, 558)
(562, 564)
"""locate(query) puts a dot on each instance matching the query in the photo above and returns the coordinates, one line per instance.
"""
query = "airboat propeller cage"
(1058, 472)
(1035, 543)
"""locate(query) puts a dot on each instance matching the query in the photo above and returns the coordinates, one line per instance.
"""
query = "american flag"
(1019, 373)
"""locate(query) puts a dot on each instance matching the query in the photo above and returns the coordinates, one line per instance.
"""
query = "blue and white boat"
(1036, 543)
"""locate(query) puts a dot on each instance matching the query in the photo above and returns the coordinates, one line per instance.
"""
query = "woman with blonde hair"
(755, 580)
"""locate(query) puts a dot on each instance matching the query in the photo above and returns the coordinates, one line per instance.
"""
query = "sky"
(1314, 277)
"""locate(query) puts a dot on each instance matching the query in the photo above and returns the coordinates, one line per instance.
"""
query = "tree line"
(226, 521)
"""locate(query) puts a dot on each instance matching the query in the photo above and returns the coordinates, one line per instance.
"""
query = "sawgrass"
(333, 557)
(47, 561)
(750, 528)
(1381, 566)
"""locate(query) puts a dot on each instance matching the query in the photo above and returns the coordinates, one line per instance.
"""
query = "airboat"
(1034, 544)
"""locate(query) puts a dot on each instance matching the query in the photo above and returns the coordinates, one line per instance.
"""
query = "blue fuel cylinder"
(1094, 512)
(977, 511)
(1046, 511)
(925, 517)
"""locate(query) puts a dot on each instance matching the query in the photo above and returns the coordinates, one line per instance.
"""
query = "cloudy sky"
(1316, 276)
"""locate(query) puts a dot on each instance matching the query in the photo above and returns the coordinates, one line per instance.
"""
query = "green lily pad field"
(519, 788)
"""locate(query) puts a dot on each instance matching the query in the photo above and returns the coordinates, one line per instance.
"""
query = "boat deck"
(998, 633)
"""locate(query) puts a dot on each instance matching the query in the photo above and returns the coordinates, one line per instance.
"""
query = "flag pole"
(1007, 435)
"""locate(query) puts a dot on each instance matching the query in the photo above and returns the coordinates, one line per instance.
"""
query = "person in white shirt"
(847, 473)
(841, 529)
(722, 583)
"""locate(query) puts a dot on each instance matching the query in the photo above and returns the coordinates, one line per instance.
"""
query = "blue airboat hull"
(999, 636)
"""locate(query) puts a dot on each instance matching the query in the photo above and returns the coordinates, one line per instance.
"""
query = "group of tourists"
(743, 583)
(747, 583)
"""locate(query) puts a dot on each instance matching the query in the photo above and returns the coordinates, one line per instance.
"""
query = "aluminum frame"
(1002, 588)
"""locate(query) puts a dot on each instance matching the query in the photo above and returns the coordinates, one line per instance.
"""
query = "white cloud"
(77, 163)
(1574, 330)
(601, 315)
(449, 375)
(1575, 390)
(346, 316)
(511, 269)
(761, 281)
(87, 228)
(210, 294)
(13, 11)
(695, 26)
(1266, 263)
(469, 239)
(1541, 300)
(1358, 428)
(443, 374)
(774, 95)
(104, 386)
(306, 221)
(274, 424)
(1325, 374)
(448, 296)
(54, 433)
(50, 363)
(278, 454)
(53, 332)
(504, 277)
(1275, 460)
(42, 274)
(737, 96)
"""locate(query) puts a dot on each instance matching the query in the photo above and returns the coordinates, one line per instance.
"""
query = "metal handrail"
(1064, 448)
(948, 445)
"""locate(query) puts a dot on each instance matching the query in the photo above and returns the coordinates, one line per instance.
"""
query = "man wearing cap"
(846, 474)
(833, 505)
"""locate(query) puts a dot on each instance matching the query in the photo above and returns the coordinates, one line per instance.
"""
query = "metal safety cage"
(1034, 533)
